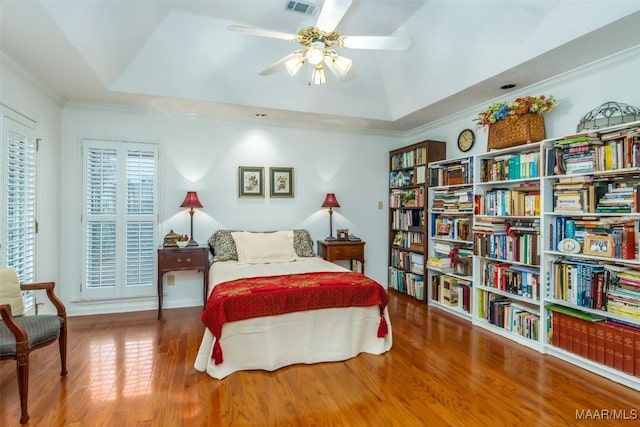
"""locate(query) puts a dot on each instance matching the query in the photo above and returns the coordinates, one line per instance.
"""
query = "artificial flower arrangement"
(182, 240)
(512, 110)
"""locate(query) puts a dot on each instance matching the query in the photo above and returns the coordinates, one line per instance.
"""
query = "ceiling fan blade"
(331, 14)
(376, 42)
(262, 33)
(278, 65)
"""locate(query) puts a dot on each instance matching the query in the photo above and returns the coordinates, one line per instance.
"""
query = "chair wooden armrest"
(43, 330)
(17, 330)
(47, 286)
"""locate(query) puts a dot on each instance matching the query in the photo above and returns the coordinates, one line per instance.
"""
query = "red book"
(628, 362)
(577, 335)
(584, 338)
(601, 342)
(591, 353)
(608, 344)
(599, 291)
(618, 347)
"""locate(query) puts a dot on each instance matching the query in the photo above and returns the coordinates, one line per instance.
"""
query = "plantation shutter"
(121, 211)
(19, 216)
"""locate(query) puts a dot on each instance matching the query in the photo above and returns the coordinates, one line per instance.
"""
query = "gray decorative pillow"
(223, 245)
(302, 243)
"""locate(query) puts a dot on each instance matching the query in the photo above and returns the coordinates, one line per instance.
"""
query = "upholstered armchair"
(19, 335)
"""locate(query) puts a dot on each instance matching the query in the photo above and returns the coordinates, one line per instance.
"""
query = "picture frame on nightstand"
(342, 234)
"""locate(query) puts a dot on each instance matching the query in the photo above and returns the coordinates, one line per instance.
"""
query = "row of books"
(510, 166)
(452, 200)
(515, 317)
(409, 198)
(576, 194)
(451, 173)
(409, 240)
(606, 287)
(408, 283)
(403, 178)
(451, 227)
(452, 291)
(407, 261)
(409, 159)
(580, 282)
(516, 279)
(591, 152)
(441, 263)
(523, 248)
(617, 234)
(601, 340)
(405, 219)
(519, 201)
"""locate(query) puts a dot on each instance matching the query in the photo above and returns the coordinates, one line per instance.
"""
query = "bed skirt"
(269, 343)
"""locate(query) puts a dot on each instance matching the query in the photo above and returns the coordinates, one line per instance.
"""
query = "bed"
(302, 335)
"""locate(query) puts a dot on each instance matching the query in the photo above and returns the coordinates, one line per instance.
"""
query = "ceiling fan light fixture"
(318, 76)
(294, 64)
(315, 53)
(342, 64)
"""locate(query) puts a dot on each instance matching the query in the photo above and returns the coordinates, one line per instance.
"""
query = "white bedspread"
(272, 342)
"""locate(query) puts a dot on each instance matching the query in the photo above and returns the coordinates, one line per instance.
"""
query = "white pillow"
(259, 248)
(10, 292)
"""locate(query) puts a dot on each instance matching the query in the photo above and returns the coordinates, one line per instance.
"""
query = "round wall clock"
(466, 140)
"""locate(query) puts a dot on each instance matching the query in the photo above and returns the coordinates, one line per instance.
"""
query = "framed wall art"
(281, 182)
(250, 181)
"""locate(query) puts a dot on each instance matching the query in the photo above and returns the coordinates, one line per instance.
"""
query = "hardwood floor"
(133, 370)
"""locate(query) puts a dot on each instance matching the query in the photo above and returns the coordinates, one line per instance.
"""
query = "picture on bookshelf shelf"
(598, 245)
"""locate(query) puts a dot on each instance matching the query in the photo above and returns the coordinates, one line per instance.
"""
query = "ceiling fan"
(318, 44)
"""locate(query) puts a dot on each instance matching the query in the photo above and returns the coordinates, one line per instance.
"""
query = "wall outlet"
(379, 204)
(171, 280)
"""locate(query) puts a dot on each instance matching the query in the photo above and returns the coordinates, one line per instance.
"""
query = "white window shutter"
(121, 219)
(19, 216)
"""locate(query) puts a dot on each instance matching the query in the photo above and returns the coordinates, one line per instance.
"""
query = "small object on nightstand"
(342, 234)
(170, 240)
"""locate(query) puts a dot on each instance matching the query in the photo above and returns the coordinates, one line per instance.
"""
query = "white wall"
(26, 97)
(203, 154)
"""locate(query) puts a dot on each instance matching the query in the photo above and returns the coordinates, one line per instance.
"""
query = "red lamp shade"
(191, 200)
(330, 201)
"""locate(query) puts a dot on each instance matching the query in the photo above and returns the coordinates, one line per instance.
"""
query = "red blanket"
(272, 295)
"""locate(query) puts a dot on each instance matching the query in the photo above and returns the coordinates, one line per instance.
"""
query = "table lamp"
(191, 201)
(330, 202)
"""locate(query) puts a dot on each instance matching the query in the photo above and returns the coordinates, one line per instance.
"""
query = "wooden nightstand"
(176, 259)
(342, 250)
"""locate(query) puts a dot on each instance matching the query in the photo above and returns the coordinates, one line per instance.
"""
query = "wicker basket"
(523, 130)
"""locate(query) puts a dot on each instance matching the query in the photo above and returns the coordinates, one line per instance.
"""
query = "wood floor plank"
(133, 370)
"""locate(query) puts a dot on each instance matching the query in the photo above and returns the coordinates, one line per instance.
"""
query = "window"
(119, 219)
(18, 185)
